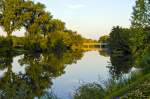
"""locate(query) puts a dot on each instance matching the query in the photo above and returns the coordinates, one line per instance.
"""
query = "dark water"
(37, 75)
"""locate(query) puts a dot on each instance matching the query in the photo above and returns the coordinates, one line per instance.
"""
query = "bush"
(90, 91)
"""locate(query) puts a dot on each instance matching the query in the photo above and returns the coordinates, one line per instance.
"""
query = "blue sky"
(91, 18)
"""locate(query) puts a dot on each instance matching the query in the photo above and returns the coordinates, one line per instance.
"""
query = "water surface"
(91, 68)
(35, 75)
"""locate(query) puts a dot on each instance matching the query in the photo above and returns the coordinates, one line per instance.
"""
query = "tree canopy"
(42, 31)
(104, 39)
(141, 14)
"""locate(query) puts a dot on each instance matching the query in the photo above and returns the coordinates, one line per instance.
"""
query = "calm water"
(92, 67)
(33, 75)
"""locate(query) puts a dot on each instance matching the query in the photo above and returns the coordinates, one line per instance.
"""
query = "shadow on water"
(120, 65)
(40, 69)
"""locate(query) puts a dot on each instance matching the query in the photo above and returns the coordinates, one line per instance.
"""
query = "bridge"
(94, 46)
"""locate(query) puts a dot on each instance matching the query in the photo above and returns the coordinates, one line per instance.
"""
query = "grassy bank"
(133, 88)
(136, 87)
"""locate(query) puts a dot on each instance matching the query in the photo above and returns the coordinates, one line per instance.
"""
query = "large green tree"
(140, 32)
(141, 14)
(10, 15)
(119, 40)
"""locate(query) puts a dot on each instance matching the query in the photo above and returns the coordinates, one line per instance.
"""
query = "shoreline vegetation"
(130, 47)
(135, 87)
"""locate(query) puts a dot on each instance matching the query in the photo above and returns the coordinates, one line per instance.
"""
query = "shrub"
(90, 91)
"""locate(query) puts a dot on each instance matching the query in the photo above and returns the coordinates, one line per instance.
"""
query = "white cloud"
(75, 6)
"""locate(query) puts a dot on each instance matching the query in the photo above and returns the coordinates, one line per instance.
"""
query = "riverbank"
(136, 87)
(139, 89)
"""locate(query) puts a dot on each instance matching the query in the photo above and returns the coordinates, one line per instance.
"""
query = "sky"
(91, 18)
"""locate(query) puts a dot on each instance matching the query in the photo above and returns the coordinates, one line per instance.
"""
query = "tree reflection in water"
(40, 70)
(104, 53)
(120, 64)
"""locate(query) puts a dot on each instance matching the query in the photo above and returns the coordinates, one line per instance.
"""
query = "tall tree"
(141, 14)
(119, 40)
(57, 25)
(9, 15)
(33, 15)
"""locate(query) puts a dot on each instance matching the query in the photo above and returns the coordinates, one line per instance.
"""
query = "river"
(91, 68)
(35, 75)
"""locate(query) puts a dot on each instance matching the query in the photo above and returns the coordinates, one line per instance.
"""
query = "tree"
(34, 17)
(141, 14)
(104, 39)
(10, 15)
(37, 24)
(57, 25)
(119, 40)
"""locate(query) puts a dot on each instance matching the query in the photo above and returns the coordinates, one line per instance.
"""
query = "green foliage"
(140, 17)
(140, 32)
(49, 95)
(133, 42)
(104, 39)
(10, 16)
(139, 44)
(141, 90)
(18, 41)
(5, 44)
(90, 91)
(119, 40)
(135, 86)
(57, 25)
(130, 48)
(42, 31)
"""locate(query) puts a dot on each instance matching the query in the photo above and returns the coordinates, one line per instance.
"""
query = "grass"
(133, 82)
(136, 87)
(139, 89)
